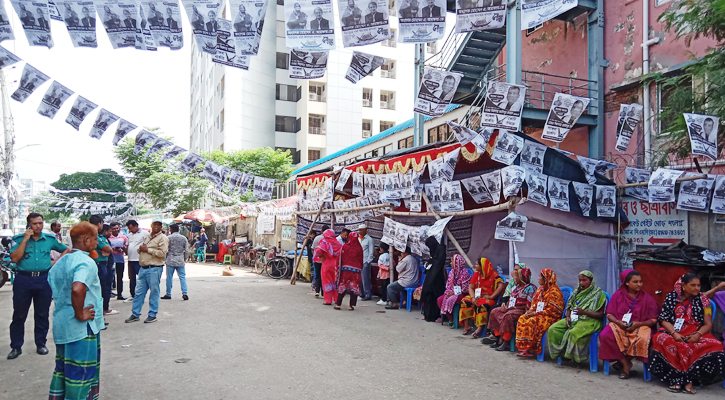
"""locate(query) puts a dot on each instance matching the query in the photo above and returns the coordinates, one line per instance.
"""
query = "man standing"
(136, 237)
(178, 247)
(342, 237)
(118, 243)
(152, 254)
(318, 262)
(30, 251)
(407, 277)
(103, 250)
(203, 239)
(368, 246)
(55, 228)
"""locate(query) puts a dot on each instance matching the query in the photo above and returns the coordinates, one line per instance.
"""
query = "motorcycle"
(5, 266)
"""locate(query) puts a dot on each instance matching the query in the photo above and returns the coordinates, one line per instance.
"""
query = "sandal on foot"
(624, 375)
(475, 335)
(524, 354)
(675, 389)
(688, 391)
(351, 308)
(468, 331)
(337, 307)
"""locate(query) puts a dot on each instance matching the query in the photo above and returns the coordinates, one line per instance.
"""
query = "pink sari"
(330, 248)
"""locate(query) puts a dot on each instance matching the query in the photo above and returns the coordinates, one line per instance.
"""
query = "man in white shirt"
(368, 246)
(407, 277)
(135, 237)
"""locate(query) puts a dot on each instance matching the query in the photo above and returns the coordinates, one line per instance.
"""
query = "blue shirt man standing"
(368, 245)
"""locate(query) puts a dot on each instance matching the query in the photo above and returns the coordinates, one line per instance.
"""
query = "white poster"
(537, 184)
(142, 139)
(532, 157)
(362, 65)
(511, 228)
(695, 195)
(245, 182)
(503, 106)
(246, 17)
(416, 200)
(190, 162)
(81, 108)
(364, 27)
(662, 185)
(203, 17)
(263, 187)
(266, 223)
(421, 22)
(309, 25)
(173, 153)
(481, 140)
(389, 228)
(629, 117)
(234, 178)
(327, 191)
(637, 175)
(29, 81)
(159, 144)
(606, 201)
(492, 180)
(477, 189)
(80, 20)
(161, 21)
(438, 228)
(584, 194)
(6, 31)
(54, 98)
(718, 197)
(307, 65)
(703, 134)
(559, 194)
(475, 15)
(357, 183)
(463, 134)
(226, 53)
(53, 12)
(536, 12)
(401, 236)
(440, 171)
(119, 17)
(364, 202)
(436, 91)
(433, 192)
(508, 146)
(7, 58)
(124, 128)
(35, 20)
(104, 119)
(565, 111)
(342, 180)
(392, 189)
(451, 196)
(592, 166)
(513, 177)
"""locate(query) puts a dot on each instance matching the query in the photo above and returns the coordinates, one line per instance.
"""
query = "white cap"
(157, 220)
(362, 226)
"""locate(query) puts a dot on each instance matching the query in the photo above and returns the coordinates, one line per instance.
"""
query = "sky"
(149, 89)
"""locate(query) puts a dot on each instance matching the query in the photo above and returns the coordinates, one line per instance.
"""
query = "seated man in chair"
(407, 278)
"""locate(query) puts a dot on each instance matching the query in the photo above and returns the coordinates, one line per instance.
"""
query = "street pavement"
(252, 337)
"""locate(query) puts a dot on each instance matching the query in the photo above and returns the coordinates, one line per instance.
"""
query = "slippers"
(337, 307)
(351, 308)
(676, 389)
(623, 375)
(468, 331)
(685, 390)
(326, 304)
(391, 308)
(617, 366)
(525, 354)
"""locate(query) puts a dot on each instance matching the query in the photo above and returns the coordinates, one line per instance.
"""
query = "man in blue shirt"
(30, 252)
(203, 239)
(368, 245)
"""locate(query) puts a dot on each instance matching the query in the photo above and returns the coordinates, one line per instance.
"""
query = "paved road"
(248, 337)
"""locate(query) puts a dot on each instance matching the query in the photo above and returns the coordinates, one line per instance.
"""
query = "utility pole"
(419, 68)
(8, 167)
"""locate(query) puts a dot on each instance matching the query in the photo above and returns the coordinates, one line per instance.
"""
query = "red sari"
(330, 248)
(349, 273)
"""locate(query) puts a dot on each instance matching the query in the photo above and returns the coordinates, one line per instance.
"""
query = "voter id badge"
(478, 292)
(456, 290)
(512, 302)
(678, 324)
(540, 306)
(627, 317)
(574, 316)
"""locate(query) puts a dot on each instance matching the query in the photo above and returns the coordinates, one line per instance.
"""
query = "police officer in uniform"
(30, 252)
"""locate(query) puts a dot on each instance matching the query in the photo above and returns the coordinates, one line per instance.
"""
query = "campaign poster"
(451, 196)
(695, 195)
(718, 197)
(606, 200)
(559, 194)
(532, 157)
(309, 25)
(104, 119)
(436, 91)
(203, 15)
(6, 30)
(463, 134)
(362, 65)
(421, 21)
(80, 20)
(585, 195)
(537, 184)
(477, 189)
(503, 105)
(479, 15)
(53, 100)
(35, 19)
(363, 27)
(536, 12)
(30, 79)
(513, 177)
(703, 134)
(507, 147)
(80, 110)
(511, 228)
(120, 19)
(637, 175)
(226, 53)
(161, 23)
(124, 128)
(492, 180)
(247, 15)
(629, 117)
(307, 64)
(661, 186)
(565, 111)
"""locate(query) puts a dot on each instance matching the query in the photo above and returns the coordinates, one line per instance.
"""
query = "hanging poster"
(362, 65)
(262, 12)
(266, 224)
(421, 22)
(142, 139)
(103, 120)
(537, 184)
(439, 171)
(191, 161)
(352, 217)
(629, 117)
(473, 15)
(342, 181)
(703, 134)
(361, 28)
(592, 166)
(507, 147)
(391, 190)
(451, 196)
(202, 15)
(226, 54)
(357, 183)
(370, 183)
(234, 178)
(433, 192)
(161, 21)
(536, 12)
(512, 228)
(6, 31)
(245, 182)
(307, 65)
(327, 192)
(364, 202)
(29, 81)
(477, 189)
(223, 175)
(416, 200)
(173, 153)
(53, 12)
(438, 228)
(124, 128)
(246, 15)
(436, 91)
(309, 25)
(503, 106)
(492, 180)
(695, 195)
(637, 175)
(662, 185)
(718, 197)
(81, 108)
(54, 98)
(463, 134)
(565, 111)
(406, 184)
(532, 157)
(513, 177)
(584, 194)
(34, 18)
(401, 236)
(606, 201)
(263, 187)
(389, 228)
(7, 58)
(481, 140)
(157, 146)
(119, 19)
(80, 20)
(559, 194)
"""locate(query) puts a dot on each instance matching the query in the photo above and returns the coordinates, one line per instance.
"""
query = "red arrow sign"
(652, 240)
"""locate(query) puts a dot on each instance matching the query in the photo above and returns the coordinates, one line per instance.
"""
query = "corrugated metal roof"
(382, 135)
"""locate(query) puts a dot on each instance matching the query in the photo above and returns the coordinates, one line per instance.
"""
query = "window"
(665, 97)
(368, 154)
(390, 42)
(387, 70)
(313, 155)
(221, 95)
(386, 125)
(317, 92)
(388, 149)
(387, 100)
(221, 121)
(367, 128)
(282, 60)
(439, 133)
(286, 92)
(317, 124)
(431, 47)
(367, 98)
(405, 143)
(285, 124)
(281, 32)
(534, 29)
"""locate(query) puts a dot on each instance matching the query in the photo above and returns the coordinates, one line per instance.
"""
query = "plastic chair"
(410, 290)
(227, 259)
(422, 281)
(566, 292)
(199, 254)
(645, 366)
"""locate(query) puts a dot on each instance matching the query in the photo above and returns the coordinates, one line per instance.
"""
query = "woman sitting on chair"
(483, 292)
(458, 282)
(546, 308)
(502, 321)
(569, 338)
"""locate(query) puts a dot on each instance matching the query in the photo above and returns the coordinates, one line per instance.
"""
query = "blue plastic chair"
(485, 327)
(422, 281)
(410, 290)
(566, 292)
(593, 344)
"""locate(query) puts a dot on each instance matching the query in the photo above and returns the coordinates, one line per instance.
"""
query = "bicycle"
(278, 268)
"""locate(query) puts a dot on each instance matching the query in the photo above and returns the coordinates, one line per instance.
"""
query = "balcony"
(318, 97)
(385, 74)
(367, 103)
(317, 130)
(367, 134)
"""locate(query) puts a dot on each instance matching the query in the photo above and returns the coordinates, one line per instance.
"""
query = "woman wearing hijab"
(349, 273)
(455, 290)
(684, 350)
(631, 314)
(328, 250)
(483, 291)
(502, 321)
(511, 285)
(569, 338)
(546, 308)
(434, 284)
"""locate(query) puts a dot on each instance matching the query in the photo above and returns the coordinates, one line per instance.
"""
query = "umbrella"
(204, 216)
(180, 218)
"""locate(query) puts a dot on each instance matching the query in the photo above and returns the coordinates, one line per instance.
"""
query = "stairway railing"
(450, 48)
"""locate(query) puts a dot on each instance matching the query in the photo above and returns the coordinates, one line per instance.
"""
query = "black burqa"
(434, 285)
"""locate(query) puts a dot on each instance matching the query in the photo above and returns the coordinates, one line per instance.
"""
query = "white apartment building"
(32, 188)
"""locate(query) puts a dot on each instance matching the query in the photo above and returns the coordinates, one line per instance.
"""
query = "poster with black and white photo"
(662, 185)
(80, 20)
(406, 184)
(451, 196)
(606, 201)
(159, 144)
(592, 166)
(439, 171)
(263, 187)
(173, 153)
(202, 15)
(30, 79)
(492, 180)
(511, 228)
(433, 192)
(559, 193)
(537, 184)
(513, 177)
(357, 183)
(477, 189)
(35, 20)
(703, 134)
(309, 25)
(389, 228)
(508, 146)
(7, 58)
(352, 217)
(245, 182)
(142, 139)
(370, 184)
(364, 202)
(536, 12)
(81, 108)
(327, 192)
(191, 161)
(226, 54)
(307, 64)
(53, 99)
(629, 117)
(342, 180)
(161, 20)
(119, 17)
(213, 172)
(53, 12)
(436, 91)
(695, 195)
(104, 119)
(637, 175)
(503, 106)
(124, 128)
(438, 228)
(364, 27)
(392, 189)
(421, 21)
(718, 197)
(584, 194)
(401, 236)
(224, 174)
(246, 17)
(416, 200)
(6, 31)
(362, 65)
(532, 157)
(463, 134)
(474, 15)
(481, 140)
(565, 111)
(234, 178)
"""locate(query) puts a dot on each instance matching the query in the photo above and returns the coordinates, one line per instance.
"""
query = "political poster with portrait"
(190, 162)
(309, 25)
(406, 184)
(392, 189)
(80, 110)
(477, 15)
(559, 193)
(695, 195)
(401, 236)
(357, 183)
(629, 117)
(437, 229)
(246, 16)
(173, 153)
(389, 228)
(262, 12)
(585, 195)
(362, 65)
(342, 180)
(119, 18)
(157, 146)
(565, 111)
(244, 183)
(80, 20)
(104, 119)
(224, 172)
(226, 54)
(369, 184)
(53, 11)
(433, 192)
(511, 228)
(122, 129)
(327, 191)
(536, 12)
(463, 134)
(307, 64)
(364, 22)
(606, 200)
(537, 184)
(263, 187)
(442, 168)
(703, 134)
(637, 175)
(202, 15)
(6, 31)
(30, 79)
(436, 91)
(161, 21)
(508, 146)
(53, 99)
(364, 202)
(142, 139)
(718, 197)
(477, 189)
(532, 157)
(492, 180)
(421, 21)
(661, 186)
(592, 166)
(416, 200)
(234, 178)
(513, 177)
(481, 140)
(451, 196)
(503, 106)
(35, 20)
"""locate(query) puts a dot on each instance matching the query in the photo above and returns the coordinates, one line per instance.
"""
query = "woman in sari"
(502, 321)
(483, 292)
(569, 338)
(631, 314)
(458, 281)
(684, 350)
(434, 284)
(546, 308)
(511, 285)
(349, 273)
(328, 250)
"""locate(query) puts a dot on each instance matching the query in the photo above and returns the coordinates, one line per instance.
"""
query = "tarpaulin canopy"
(205, 216)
